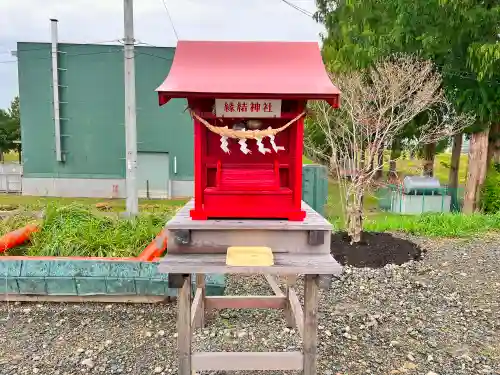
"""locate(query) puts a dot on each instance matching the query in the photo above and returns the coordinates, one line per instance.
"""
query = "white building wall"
(90, 188)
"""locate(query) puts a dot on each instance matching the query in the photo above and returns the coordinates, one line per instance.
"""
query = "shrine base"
(248, 205)
(223, 214)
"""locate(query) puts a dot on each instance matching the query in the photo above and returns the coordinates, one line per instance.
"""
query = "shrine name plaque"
(247, 108)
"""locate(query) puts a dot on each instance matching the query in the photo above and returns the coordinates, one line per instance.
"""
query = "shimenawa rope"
(244, 134)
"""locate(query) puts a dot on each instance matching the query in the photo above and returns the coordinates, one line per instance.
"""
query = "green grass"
(11, 157)
(306, 160)
(115, 205)
(15, 221)
(75, 227)
(78, 230)
(334, 211)
(442, 161)
(434, 225)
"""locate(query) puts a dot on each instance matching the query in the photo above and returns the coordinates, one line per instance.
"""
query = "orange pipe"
(17, 237)
(155, 248)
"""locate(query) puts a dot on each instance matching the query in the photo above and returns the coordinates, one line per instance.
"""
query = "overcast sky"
(92, 21)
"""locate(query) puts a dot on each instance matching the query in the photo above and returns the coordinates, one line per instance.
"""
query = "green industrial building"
(83, 153)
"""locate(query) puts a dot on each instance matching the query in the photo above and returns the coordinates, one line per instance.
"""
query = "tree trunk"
(493, 145)
(354, 222)
(476, 173)
(395, 153)
(380, 164)
(429, 154)
(456, 149)
(496, 149)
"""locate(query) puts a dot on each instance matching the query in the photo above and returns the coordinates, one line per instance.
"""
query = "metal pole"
(55, 88)
(130, 115)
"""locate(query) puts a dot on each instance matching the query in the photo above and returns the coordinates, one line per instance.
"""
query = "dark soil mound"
(375, 251)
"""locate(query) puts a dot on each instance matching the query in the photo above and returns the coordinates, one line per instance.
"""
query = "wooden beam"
(200, 284)
(184, 327)
(291, 280)
(196, 306)
(245, 302)
(310, 336)
(296, 308)
(249, 361)
(271, 280)
(85, 299)
(284, 264)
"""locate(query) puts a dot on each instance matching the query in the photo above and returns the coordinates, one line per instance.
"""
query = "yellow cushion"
(249, 256)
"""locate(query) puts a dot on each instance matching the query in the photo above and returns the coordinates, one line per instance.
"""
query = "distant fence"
(11, 178)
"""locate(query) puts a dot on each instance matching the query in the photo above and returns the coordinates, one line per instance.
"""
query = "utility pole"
(130, 115)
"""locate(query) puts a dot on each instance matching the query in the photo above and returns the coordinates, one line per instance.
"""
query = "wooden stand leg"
(289, 316)
(271, 280)
(310, 338)
(200, 284)
(184, 327)
(290, 321)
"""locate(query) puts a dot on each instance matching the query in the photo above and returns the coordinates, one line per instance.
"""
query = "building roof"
(292, 70)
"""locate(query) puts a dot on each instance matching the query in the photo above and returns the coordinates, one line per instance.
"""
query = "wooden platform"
(284, 264)
(200, 246)
(214, 236)
(313, 221)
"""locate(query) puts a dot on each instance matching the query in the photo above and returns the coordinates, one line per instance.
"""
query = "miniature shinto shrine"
(248, 104)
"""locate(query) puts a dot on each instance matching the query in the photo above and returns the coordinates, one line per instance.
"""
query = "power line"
(96, 53)
(47, 44)
(170, 18)
(153, 55)
(296, 7)
(68, 55)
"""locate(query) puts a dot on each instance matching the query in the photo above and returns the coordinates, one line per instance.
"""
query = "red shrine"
(248, 102)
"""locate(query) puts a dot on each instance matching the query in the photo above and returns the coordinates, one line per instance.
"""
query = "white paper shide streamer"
(243, 145)
(273, 144)
(260, 145)
(224, 143)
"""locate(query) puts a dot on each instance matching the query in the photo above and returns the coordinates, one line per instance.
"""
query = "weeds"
(77, 230)
(435, 225)
(15, 221)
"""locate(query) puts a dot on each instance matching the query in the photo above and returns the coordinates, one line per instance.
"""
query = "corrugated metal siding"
(92, 109)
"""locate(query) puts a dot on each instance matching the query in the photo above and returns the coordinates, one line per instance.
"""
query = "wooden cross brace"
(191, 314)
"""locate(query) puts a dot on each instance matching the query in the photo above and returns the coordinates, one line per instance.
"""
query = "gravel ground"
(438, 316)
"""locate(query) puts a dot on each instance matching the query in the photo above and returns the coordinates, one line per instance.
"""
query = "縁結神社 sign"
(247, 108)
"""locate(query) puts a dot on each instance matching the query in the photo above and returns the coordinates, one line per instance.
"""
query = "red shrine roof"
(269, 70)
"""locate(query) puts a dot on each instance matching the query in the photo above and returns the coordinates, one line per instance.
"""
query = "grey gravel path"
(439, 316)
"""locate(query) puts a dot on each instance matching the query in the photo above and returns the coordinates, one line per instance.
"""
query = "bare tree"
(376, 105)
